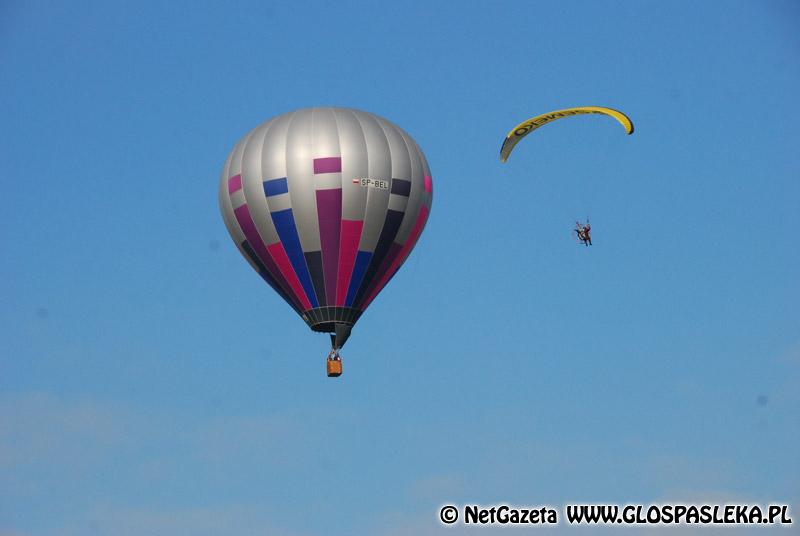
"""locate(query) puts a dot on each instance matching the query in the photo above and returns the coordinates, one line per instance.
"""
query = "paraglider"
(326, 204)
(584, 232)
(526, 127)
(516, 134)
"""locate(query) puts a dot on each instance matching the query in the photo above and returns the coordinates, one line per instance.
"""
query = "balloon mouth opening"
(325, 327)
(338, 321)
(324, 319)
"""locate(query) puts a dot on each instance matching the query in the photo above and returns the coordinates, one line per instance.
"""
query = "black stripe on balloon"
(390, 227)
(266, 276)
(314, 263)
(401, 187)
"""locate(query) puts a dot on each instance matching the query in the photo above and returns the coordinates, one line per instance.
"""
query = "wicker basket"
(334, 368)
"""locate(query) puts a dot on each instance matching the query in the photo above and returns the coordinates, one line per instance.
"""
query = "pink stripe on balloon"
(350, 236)
(329, 212)
(285, 266)
(234, 184)
(401, 257)
(245, 220)
(428, 184)
(330, 164)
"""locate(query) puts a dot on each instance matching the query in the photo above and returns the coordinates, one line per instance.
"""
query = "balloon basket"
(334, 368)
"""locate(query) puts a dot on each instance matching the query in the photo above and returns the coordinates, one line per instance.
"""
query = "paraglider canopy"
(526, 127)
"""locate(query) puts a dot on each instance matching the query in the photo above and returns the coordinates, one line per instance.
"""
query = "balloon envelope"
(326, 204)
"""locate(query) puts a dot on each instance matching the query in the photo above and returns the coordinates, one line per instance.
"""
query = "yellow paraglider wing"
(526, 127)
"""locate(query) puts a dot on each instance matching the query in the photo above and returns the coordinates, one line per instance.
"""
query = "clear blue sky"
(151, 383)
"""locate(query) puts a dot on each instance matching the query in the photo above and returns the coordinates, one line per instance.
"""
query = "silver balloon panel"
(326, 204)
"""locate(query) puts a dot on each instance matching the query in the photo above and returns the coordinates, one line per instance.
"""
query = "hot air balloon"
(326, 204)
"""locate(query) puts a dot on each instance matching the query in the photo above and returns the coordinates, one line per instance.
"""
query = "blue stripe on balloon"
(360, 267)
(287, 231)
(275, 187)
